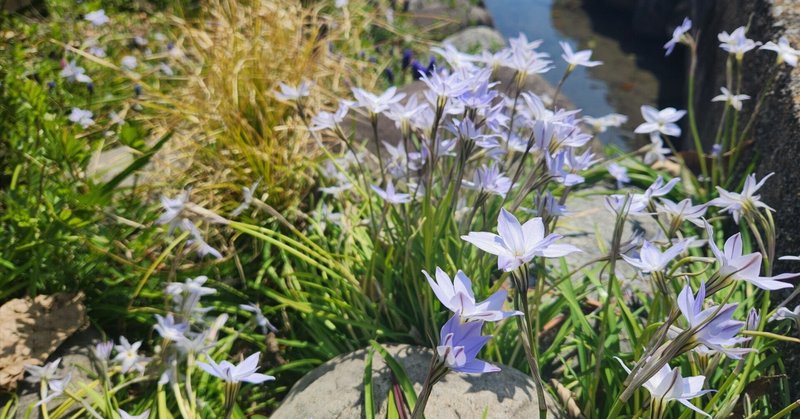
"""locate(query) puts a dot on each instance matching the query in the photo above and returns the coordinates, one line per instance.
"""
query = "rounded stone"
(336, 389)
(476, 39)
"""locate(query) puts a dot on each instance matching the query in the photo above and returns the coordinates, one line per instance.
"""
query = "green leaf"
(369, 403)
(399, 374)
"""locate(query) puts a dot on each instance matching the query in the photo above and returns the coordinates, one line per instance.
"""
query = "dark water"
(634, 70)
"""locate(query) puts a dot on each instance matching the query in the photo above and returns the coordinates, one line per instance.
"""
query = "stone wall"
(776, 134)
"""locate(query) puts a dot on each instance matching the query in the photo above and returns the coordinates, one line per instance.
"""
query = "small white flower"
(244, 372)
(784, 313)
(662, 121)
(785, 51)
(74, 73)
(678, 35)
(247, 195)
(261, 321)
(668, 384)
(293, 93)
(46, 372)
(81, 117)
(128, 355)
(739, 204)
(129, 62)
(618, 172)
(734, 100)
(574, 59)
(390, 195)
(602, 123)
(655, 151)
(518, 244)
(168, 329)
(375, 104)
(736, 43)
(97, 17)
(653, 260)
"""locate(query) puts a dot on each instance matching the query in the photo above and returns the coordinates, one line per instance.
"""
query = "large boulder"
(336, 389)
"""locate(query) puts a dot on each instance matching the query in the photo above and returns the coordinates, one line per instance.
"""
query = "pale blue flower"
(459, 344)
(651, 259)
(739, 204)
(735, 265)
(169, 329)
(678, 35)
(579, 58)
(457, 296)
(390, 195)
(668, 384)
(244, 372)
(714, 334)
(518, 244)
(663, 121)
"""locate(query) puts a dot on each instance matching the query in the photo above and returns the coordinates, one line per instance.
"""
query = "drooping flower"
(390, 195)
(734, 100)
(247, 199)
(457, 296)
(678, 35)
(602, 123)
(201, 245)
(579, 58)
(651, 259)
(786, 54)
(518, 244)
(459, 344)
(784, 313)
(660, 121)
(97, 17)
(734, 265)
(718, 333)
(173, 207)
(81, 117)
(743, 203)
(659, 188)
(261, 321)
(655, 151)
(245, 371)
(668, 384)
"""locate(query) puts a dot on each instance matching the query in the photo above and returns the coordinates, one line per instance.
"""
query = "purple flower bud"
(753, 319)
(431, 66)
(406, 61)
(389, 75)
(373, 60)
(90, 88)
(137, 89)
(170, 46)
(417, 70)
(103, 350)
(51, 85)
(716, 150)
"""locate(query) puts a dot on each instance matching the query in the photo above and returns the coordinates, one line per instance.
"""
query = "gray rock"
(441, 18)
(476, 39)
(335, 389)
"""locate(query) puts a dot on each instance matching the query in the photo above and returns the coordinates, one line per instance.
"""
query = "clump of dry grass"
(230, 129)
